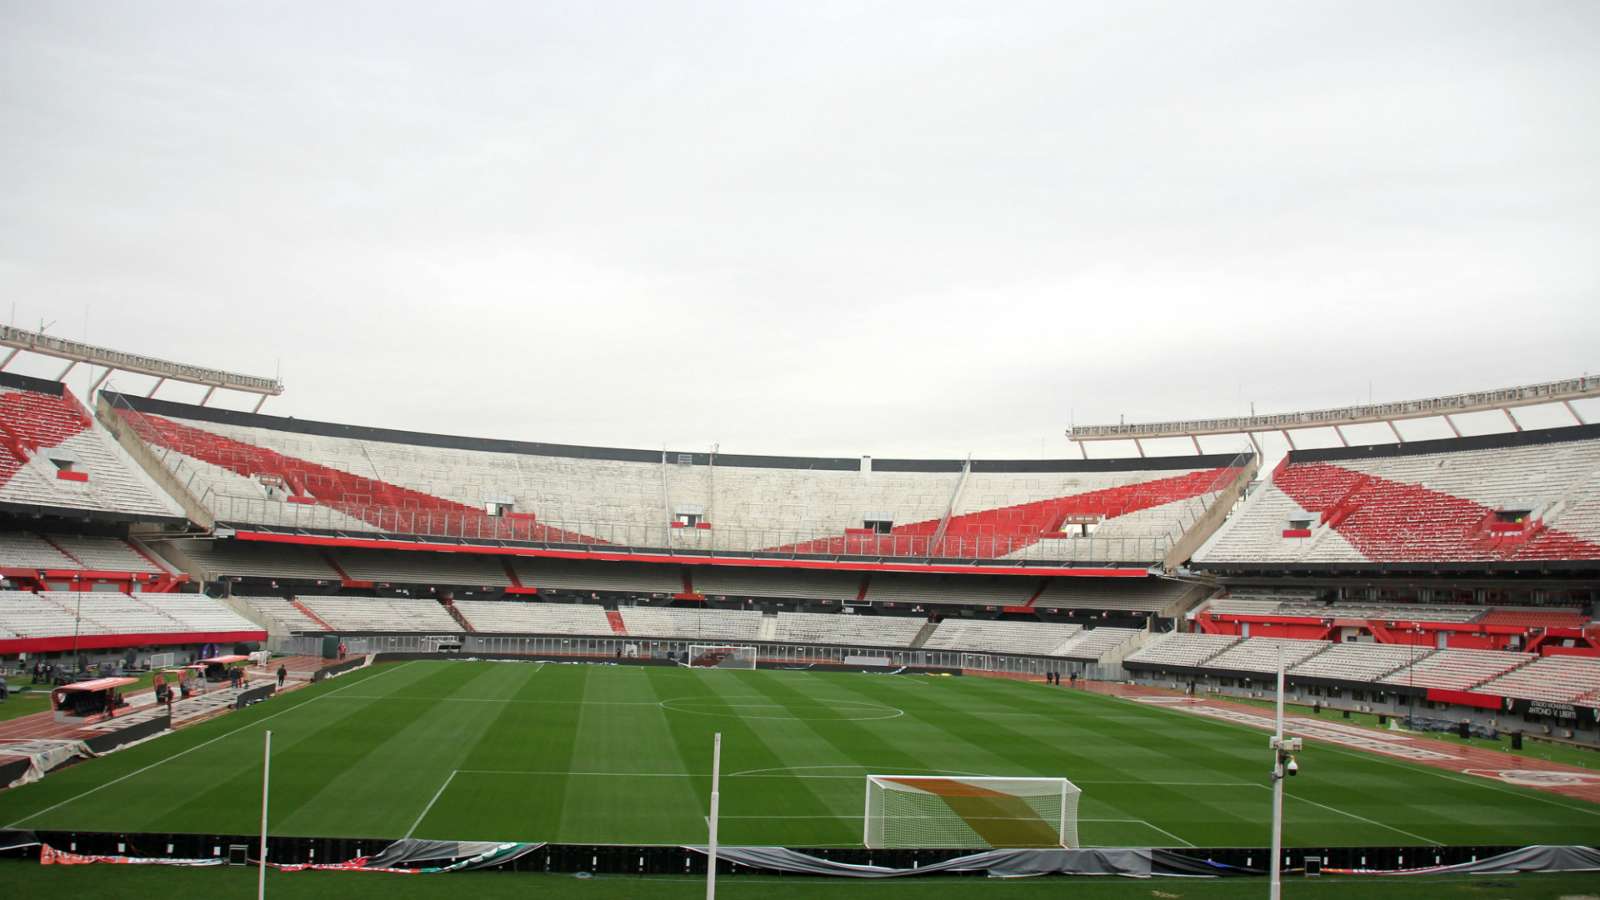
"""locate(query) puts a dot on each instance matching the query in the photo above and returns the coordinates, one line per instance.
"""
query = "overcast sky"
(903, 229)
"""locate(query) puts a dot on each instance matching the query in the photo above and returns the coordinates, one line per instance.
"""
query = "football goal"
(721, 656)
(970, 813)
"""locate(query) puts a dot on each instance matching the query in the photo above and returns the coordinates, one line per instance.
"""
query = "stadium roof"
(1502, 399)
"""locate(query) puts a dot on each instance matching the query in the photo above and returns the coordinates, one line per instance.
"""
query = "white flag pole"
(711, 822)
(266, 775)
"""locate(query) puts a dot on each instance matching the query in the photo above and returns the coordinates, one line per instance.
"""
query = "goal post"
(720, 656)
(961, 812)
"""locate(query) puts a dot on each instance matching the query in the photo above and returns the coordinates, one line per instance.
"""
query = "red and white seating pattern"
(39, 428)
(264, 475)
(1435, 506)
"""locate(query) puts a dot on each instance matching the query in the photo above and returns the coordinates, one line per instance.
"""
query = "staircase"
(617, 625)
(769, 627)
(456, 614)
(311, 615)
(928, 628)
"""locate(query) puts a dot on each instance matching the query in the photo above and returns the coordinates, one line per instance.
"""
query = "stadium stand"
(848, 629)
(1262, 654)
(1524, 496)
(282, 616)
(104, 553)
(516, 617)
(1517, 617)
(694, 624)
(1356, 661)
(53, 456)
(373, 614)
(1556, 679)
(1182, 649)
(1096, 644)
(107, 614)
(269, 471)
(24, 550)
(1456, 670)
(1031, 638)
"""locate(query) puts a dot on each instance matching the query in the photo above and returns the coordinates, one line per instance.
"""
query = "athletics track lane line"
(219, 737)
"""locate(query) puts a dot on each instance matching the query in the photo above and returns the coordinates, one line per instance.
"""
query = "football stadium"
(865, 451)
(369, 649)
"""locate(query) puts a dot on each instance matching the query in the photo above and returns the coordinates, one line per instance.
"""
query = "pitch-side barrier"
(429, 856)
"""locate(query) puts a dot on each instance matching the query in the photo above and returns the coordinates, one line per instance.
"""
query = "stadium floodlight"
(937, 811)
(720, 656)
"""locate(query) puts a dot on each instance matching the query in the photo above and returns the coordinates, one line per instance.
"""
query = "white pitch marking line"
(1352, 815)
(436, 795)
(219, 737)
(1150, 824)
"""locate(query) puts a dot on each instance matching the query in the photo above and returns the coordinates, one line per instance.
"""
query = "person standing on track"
(283, 674)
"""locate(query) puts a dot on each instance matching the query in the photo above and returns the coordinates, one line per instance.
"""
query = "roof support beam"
(1196, 441)
(155, 387)
(1515, 425)
(1567, 403)
(1138, 446)
(1452, 423)
(1395, 431)
(1340, 432)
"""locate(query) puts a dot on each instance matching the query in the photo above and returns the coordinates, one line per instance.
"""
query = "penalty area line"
(1334, 809)
(436, 795)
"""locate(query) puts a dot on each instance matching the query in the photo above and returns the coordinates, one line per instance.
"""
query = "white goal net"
(970, 812)
(720, 656)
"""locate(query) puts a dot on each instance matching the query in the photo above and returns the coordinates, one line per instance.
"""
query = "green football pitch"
(622, 755)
